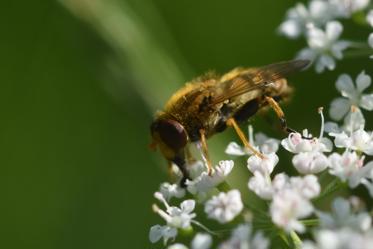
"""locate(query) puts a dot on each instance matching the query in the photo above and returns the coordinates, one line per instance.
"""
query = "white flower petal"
(265, 166)
(339, 108)
(177, 246)
(225, 206)
(345, 85)
(324, 61)
(261, 186)
(370, 17)
(310, 162)
(370, 40)
(338, 47)
(202, 241)
(363, 81)
(290, 28)
(331, 127)
(187, 206)
(234, 149)
(366, 102)
(333, 30)
(354, 121)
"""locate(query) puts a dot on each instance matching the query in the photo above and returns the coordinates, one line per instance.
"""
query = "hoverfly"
(210, 103)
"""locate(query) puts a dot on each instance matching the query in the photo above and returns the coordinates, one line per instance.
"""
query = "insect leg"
(205, 152)
(232, 122)
(280, 114)
(188, 156)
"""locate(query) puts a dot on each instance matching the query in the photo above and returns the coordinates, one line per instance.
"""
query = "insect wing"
(241, 81)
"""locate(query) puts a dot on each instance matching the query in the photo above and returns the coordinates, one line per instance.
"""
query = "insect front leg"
(179, 160)
(205, 152)
(232, 122)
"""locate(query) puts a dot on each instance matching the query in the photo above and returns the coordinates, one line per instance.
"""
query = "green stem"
(333, 186)
(358, 53)
(296, 240)
(284, 238)
(310, 222)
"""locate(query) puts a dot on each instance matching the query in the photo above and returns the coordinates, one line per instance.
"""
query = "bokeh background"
(79, 83)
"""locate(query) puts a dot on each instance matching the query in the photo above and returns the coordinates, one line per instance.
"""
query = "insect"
(211, 103)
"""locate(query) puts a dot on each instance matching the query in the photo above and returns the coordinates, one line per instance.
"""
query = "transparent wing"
(240, 81)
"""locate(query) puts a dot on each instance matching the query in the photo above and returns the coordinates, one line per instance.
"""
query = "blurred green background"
(80, 81)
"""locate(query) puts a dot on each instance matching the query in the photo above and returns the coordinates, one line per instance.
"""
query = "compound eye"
(171, 132)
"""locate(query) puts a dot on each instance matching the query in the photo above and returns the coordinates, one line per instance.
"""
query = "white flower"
(235, 149)
(166, 232)
(352, 96)
(369, 17)
(177, 246)
(308, 186)
(171, 190)
(175, 216)
(196, 169)
(310, 162)
(287, 207)
(265, 165)
(342, 238)
(201, 241)
(296, 144)
(324, 46)
(344, 8)
(202, 184)
(299, 18)
(347, 167)
(370, 21)
(359, 140)
(261, 185)
(242, 238)
(265, 144)
(363, 176)
(225, 206)
(342, 216)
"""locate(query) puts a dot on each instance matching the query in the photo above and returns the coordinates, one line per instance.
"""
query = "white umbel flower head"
(242, 238)
(225, 206)
(351, 95)
(204, 183)
(345, 8)
(260, 141)
(342, 215)
(299, 18)
(287, 207)
(324, 46)
(345, 238)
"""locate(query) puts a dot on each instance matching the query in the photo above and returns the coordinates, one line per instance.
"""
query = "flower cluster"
(319, 24)
(299, 205)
